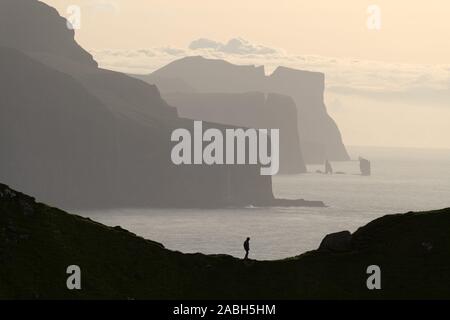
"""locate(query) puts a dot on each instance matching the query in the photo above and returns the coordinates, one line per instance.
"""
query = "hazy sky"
(403, 100)
(414, 31)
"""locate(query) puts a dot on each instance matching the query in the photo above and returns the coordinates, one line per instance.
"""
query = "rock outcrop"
(336, 242)
(319, 135)
(252, 110)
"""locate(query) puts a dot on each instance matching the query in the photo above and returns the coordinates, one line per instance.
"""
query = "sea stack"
(328, 168)
(364, 165)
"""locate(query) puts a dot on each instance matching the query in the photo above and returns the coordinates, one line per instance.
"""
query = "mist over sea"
(402, 180)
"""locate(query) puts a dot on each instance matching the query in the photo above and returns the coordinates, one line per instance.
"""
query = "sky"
(386, 62)
(413, 31)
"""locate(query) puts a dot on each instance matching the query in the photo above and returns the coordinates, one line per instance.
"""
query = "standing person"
(246, 248)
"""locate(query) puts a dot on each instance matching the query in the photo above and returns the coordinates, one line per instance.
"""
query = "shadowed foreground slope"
(38, 242)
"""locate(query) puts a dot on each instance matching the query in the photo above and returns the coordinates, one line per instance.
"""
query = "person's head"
(248, 238)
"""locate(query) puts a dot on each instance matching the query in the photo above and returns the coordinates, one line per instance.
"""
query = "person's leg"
(246, 255)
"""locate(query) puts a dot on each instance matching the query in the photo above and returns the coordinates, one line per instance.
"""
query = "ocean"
(402, 180)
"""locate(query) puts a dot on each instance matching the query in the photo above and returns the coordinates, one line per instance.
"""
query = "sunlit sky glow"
(412, 50)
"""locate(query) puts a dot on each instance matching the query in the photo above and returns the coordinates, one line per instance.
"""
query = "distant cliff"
(77, 136)
(64, 146)
(38, 243)
(253, 110)
(319, 135)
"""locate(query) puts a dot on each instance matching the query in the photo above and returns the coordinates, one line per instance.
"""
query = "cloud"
(233, 46)
(203, 43)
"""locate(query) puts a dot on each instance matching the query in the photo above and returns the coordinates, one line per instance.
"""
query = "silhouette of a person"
(246, 248)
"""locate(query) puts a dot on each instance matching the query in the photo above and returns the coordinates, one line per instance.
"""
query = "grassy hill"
(38, 242)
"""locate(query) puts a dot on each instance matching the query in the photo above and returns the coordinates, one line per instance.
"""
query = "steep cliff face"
(63, 145)
(37, 30)
(23, 26)
(252, 110)
(319, 135)
(77, 136)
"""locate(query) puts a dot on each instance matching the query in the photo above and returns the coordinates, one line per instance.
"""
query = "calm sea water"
(402, 180)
